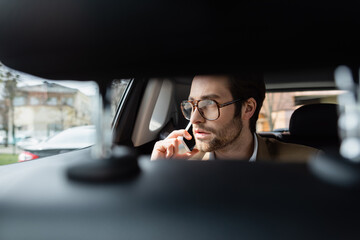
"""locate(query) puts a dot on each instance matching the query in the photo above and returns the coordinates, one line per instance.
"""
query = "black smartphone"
(189, 144)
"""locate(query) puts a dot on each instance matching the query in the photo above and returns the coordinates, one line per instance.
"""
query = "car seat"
(314, 125)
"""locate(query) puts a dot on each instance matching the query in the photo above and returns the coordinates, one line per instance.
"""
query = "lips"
(201, 134)
(200, 131)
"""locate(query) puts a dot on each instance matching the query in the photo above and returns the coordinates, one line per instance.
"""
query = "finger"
(174, 143)
(161, 148)
(187, 135)
(176, 133)
(188, 154)
(165, 149)
(170, 151)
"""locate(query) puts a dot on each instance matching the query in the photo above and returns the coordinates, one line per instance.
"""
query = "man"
(224, 111)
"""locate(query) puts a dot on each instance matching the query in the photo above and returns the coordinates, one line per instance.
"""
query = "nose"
(196, 117)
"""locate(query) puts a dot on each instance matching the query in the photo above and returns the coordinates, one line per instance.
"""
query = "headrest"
(315, 120)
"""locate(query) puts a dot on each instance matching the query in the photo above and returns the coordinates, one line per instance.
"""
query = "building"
(44, 109)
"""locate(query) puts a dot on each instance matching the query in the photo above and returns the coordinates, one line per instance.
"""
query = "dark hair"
(246, 86)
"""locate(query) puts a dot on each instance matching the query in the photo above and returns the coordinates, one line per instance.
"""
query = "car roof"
(321, 78)
(102, 40)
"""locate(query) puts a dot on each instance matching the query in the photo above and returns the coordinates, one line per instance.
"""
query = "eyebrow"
(209, 96)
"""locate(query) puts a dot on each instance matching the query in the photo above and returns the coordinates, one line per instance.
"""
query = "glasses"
(208, 109)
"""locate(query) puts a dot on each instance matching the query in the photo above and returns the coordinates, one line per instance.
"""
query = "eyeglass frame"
(217, 104)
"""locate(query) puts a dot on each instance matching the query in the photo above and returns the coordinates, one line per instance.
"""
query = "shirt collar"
(254, 155)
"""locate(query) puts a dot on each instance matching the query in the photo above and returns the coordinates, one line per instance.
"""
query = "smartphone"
(189, 144)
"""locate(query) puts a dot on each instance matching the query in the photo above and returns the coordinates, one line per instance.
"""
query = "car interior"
(313, 125)
(112, 190)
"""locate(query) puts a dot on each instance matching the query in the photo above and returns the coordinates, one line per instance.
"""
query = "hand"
(169, 147)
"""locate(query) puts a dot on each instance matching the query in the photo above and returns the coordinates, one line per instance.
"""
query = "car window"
(41, 117)
(278, 107)
(118, 87)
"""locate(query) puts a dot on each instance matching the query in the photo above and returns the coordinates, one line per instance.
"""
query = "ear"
(248, 108)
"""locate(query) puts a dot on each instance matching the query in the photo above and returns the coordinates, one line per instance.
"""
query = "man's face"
(218, 134)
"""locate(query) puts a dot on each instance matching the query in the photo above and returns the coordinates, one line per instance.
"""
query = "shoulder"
(286, 152)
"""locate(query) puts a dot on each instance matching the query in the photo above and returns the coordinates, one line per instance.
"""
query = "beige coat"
(270, 149)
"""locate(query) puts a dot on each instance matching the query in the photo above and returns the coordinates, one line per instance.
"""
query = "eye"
(204, 104)
(187, 106)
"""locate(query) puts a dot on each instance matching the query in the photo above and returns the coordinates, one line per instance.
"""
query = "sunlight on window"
(278, 107)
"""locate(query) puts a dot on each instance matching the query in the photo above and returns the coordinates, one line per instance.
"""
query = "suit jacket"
(270, 149)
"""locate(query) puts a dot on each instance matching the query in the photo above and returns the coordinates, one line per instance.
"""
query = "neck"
(241, 148)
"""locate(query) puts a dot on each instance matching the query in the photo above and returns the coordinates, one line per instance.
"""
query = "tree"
(272, 105)
(270, 109)
(9, 81)
(275, 104)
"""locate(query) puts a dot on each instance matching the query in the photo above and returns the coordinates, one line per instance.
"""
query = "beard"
(223, 137)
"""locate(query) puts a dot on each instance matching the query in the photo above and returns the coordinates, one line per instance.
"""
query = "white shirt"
(253, 156)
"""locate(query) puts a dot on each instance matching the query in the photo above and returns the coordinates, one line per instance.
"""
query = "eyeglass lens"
(207, 108)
